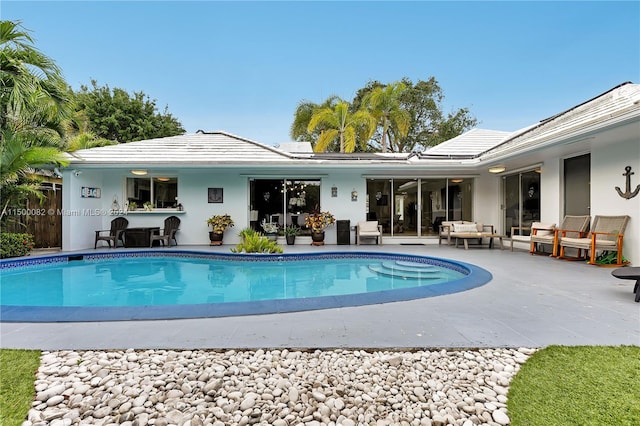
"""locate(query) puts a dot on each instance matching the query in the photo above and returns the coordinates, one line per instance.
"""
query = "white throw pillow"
(465, 227)
(543, 228)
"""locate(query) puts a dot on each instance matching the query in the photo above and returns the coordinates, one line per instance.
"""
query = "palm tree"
(33, 90)
(301, 118)
(34, 105)
(18, 159)
(339, 123)
(384, 104)
(86, 140)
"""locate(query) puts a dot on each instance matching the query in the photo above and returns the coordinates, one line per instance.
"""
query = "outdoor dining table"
(140, 237)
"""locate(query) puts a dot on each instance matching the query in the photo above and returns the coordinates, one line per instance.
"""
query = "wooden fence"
(40, 220)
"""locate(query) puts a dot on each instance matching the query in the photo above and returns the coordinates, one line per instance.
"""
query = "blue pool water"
(154, 285)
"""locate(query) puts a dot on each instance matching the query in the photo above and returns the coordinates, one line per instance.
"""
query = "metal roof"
(198, 148)
(469, 144)
(614, 107)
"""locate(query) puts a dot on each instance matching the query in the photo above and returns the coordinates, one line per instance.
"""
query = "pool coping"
(475, 277)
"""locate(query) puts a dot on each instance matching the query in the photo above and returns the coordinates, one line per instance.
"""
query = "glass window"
(521, 200)
(282, 201)
(162, 192)
(379, 203)
(434, 195)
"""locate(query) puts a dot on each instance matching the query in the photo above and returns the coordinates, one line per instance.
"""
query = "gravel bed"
(275, 387)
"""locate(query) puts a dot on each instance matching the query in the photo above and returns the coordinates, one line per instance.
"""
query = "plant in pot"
(290, 233)
(270, 229)
(148, 206)
(317, 222)
(219, 223)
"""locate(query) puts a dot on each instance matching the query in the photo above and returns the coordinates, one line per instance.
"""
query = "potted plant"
(219, 223)
(132, 206)
(271, 229)
(148, 205)
(317, 222)
(290, 233)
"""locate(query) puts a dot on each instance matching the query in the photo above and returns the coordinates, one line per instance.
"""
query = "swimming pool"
(188, 284)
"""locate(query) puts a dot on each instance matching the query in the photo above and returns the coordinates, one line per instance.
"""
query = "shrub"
(14, 245)
(257, 243)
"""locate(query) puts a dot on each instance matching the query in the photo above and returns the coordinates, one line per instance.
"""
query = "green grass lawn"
(558, 385)
(577, 385)
(17, 375)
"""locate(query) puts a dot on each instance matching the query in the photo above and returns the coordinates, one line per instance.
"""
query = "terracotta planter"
(317, 238)
(215, 239)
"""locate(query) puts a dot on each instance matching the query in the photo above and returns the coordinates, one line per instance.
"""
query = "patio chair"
(369, 229)
(606, 234)
(115, 234)
(571, 226)
(168, 233)
(542, 233)
(521, 234)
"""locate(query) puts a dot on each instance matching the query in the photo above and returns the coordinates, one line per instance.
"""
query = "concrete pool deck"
(532, 301)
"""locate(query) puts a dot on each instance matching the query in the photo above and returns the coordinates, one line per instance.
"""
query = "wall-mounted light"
(77, 173)
(139, 172)
(334, 191)
(354, 195)
(497, 169)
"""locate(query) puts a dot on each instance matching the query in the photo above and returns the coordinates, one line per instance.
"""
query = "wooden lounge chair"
(115, 234)
(369, 229)
(168, 233)
(606, 234)
(571, 226)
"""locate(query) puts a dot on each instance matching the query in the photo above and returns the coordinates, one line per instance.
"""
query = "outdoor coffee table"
(477, 236)
(630, 273)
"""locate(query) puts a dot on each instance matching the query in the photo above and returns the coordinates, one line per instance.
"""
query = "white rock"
(500, 417)
(247, 403)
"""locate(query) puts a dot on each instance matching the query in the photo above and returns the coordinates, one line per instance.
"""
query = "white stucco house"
(570, 163)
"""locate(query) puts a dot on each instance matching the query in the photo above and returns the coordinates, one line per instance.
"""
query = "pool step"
(410, 266)
(405, 274)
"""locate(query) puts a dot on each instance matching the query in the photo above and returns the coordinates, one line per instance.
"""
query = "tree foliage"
(429, 126)
(115, 115)
(33, 94)
(304, 111)
(383, 102)
(34, 105)
(341, 125)
(410, 117)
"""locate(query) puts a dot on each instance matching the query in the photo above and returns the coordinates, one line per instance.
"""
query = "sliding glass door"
(416, 207)
(284, 202)
(521, 199)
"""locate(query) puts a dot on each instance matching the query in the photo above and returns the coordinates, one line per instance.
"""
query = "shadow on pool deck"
(532, 301)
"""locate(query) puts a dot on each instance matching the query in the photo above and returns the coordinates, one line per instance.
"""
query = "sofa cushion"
(465, 227)
(542, 228)
(370, 226)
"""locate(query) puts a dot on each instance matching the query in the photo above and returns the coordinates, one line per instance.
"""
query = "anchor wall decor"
(628, 194)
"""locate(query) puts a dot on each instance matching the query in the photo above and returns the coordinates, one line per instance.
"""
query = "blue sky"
(242, 67)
